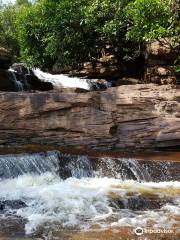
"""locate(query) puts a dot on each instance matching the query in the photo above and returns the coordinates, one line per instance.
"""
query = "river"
(59, 196)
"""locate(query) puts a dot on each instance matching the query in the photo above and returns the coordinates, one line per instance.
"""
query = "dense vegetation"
(62, 32)
(8, 26)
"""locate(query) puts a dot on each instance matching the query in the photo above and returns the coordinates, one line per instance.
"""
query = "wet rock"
(140, 203)
(7, 81)
(12, 228)
(36, 84)
(12, 204)
(28, 79)
(99, 84)
(20, 68)
(5, 59)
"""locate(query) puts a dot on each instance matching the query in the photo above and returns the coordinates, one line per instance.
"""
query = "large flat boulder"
(133, 117)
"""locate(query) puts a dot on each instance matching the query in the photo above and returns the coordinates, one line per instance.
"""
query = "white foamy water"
(81, 203)
(61, 80)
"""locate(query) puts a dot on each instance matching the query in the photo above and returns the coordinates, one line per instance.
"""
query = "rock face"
(124, 118)
(19, 78)
(161, 75)
(110, 68)
(5, 59)
(28, 79)
(104, 68)
(8, 81)
(7, 78)
(160, 57)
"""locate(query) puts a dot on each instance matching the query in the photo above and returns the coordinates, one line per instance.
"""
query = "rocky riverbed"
(57, 196)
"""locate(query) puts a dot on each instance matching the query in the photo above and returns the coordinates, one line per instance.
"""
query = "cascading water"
(61, 80)
(41, 81)
(12, 166)
(56, 191)
(122, 169)
(18, 84)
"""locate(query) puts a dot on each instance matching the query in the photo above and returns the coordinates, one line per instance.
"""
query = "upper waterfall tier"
(64, 81)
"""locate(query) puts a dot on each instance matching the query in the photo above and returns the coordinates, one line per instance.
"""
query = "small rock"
(13, 204)
(20, 68)
(168, 80)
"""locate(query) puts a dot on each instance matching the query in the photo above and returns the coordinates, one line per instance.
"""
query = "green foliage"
(177, 68)
(8, 27)
(70, 32)
(8, 34)
(151, 19)
(22, 2)
(175, 26)
(65, 32)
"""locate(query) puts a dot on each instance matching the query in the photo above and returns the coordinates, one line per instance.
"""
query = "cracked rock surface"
(145, 116)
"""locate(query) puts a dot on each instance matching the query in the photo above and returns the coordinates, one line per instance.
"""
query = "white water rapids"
(64, 81)
(75, 203)
(85, 201)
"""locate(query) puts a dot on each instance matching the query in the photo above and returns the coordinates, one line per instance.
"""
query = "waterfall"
(12, 166)
(19, 85)
(76, 166)
(122, 169)
(55, 191)
(39, 80)
(66, 166)
(140, 170)
(64, 81)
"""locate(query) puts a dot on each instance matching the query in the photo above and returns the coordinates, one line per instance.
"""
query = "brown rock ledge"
(133, 117)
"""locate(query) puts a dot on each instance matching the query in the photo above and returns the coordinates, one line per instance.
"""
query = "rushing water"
(62, 80)
(18, 85)
(51, 192)
(12, 166)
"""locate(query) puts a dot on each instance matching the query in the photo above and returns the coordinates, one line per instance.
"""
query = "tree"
(8, 34)
(149, 19)
(8, 27)
(175, 26)
(65, 32)
(22, 2)
(71, 32)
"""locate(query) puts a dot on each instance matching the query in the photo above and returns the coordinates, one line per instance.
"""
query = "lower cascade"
(57, 191)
